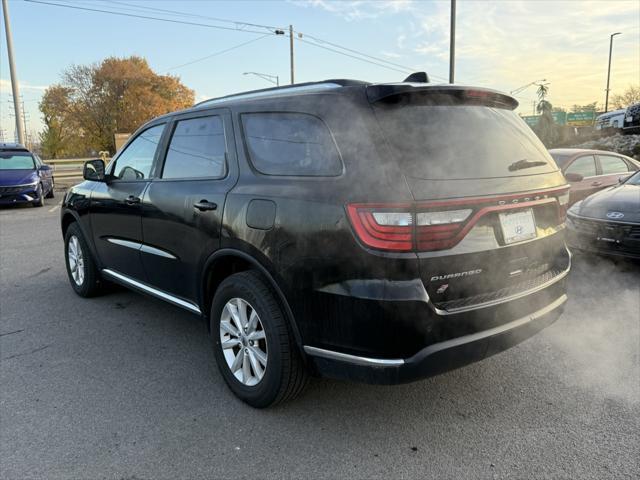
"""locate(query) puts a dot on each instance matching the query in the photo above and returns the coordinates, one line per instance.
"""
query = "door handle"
(203, 205)
(131, 200)
(596, 184)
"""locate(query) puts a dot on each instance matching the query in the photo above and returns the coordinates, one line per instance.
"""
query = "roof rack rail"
(275, 91)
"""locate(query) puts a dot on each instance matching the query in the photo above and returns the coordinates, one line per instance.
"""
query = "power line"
(316, 41)
(215, 54)
(312, 37)
(122, 14)
(353, 56)
(378, 59)
(191, 15)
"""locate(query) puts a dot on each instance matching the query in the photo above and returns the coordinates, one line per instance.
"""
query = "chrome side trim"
(142, 247)
(344, 357)
(506, 299)
(156, 251)
(130, 282)
(125, 243)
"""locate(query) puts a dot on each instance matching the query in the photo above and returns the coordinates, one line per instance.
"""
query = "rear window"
(295, 144)
(462, 142)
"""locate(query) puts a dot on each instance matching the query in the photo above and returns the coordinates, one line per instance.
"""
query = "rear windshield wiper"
(522, 164)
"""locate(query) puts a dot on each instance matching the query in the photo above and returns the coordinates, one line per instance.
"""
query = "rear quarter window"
(290, 144)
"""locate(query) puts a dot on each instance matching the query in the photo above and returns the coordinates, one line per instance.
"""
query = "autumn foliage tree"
(57, 136)
(96, 101)
(630, 96)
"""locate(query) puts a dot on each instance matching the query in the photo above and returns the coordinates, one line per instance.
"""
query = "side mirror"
(622, 178)
(573, 177)
(44, 167)
(94, 170)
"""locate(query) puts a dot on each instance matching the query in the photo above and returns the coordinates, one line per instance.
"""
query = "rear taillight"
(436, 230)
(440, 224)
(384, 227)
(563, 200)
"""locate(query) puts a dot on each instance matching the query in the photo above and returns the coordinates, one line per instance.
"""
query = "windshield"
(633, 179)
(461, 142)
(16, 161)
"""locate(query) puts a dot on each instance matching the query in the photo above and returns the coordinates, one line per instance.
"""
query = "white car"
(613, 119)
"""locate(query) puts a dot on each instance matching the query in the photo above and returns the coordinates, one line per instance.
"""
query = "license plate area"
(518, 226)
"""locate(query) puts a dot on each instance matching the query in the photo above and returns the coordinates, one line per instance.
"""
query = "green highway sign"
(581, 119)
(560, 118)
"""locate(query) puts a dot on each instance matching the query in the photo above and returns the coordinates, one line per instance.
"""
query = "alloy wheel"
(243, 341)
(76, 260)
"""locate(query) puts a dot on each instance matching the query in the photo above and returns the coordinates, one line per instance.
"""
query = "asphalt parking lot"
(125, 386)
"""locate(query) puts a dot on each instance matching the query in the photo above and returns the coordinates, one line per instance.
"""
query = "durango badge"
(456, 275)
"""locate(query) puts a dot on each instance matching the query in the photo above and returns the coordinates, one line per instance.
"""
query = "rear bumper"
(436, 358)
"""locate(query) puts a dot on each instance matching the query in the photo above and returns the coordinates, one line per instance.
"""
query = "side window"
(197, 149)
(585, 166)
(611, 165)
(295, 144)
(136, 161)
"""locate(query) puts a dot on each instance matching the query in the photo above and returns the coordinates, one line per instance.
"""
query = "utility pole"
(291, 53)
(606, 101)
(452, 43)
(14, 75)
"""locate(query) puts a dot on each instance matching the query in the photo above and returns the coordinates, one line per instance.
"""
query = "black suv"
(375, 232)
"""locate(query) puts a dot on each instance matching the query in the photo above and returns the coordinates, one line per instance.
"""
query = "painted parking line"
(53, 209)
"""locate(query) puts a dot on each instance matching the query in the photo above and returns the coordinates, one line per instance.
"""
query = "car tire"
(51, 194)
(81, 267)
(268, 339)
(40, 201)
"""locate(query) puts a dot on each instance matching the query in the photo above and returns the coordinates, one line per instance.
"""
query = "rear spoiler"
(420, 93)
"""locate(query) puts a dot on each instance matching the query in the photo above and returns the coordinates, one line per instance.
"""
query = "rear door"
(116, 204)
(182, 208)
(584, 165)
(612, 167)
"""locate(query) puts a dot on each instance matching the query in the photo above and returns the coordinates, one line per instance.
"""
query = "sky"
(501, 44)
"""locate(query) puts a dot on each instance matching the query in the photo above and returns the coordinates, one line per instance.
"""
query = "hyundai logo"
(615, 215)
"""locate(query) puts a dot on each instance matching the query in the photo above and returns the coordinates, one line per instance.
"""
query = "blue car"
(23, 176)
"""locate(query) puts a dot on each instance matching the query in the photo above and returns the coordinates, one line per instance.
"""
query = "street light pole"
(452, 42)
(606, 101)
(291, 53)
(15, 87)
